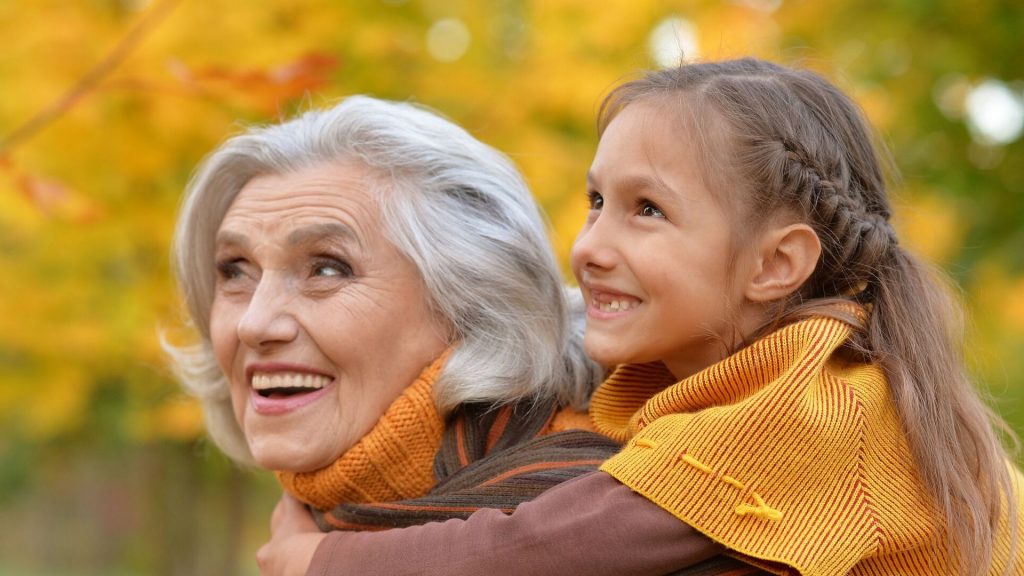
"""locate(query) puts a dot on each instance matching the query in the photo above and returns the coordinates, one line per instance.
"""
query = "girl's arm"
(294, 537)
(590, 525)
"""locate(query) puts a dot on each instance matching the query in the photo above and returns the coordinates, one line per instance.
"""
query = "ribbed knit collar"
(637, 394)
(393, 461)
(615, 406)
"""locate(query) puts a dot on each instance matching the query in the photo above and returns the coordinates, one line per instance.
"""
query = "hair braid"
(856, 239)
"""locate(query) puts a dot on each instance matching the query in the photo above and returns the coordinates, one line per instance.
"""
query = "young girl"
(817, 414)
(789, 381)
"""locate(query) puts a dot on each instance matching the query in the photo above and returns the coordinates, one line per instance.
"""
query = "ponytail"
(915, 331)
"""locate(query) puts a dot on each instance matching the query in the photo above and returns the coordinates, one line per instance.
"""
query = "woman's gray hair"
(457, 208)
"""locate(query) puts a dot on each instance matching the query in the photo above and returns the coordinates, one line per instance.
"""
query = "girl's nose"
(269, 318)
(593, 248)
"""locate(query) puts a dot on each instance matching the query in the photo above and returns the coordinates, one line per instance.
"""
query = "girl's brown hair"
(786, 141)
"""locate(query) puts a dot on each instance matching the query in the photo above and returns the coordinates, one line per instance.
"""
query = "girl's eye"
(595, 200)
(650, 210)
(331, 267)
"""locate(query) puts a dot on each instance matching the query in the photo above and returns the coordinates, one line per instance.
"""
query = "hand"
(294, 537)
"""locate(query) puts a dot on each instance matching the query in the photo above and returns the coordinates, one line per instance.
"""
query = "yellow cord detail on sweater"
(759, 509)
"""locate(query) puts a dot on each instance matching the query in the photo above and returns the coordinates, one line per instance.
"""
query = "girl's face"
(653, 257)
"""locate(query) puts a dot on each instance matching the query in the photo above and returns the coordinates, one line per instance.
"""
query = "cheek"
(224, 340)
(223, 335)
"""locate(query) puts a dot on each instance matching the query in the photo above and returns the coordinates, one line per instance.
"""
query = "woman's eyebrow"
(315, 232)
(228, 238)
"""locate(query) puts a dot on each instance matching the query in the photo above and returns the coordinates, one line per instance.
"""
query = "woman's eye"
(331, 267)
(230, 269)
(595, 200)
(650, 210)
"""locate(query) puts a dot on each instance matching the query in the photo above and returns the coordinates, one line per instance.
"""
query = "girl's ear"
(786, 257)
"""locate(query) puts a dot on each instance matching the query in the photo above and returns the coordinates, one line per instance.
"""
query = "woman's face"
(318, 322)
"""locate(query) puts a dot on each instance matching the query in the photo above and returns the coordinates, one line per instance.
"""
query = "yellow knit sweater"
(788, 456)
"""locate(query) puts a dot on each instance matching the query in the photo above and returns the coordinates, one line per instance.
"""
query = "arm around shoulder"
(592, 524)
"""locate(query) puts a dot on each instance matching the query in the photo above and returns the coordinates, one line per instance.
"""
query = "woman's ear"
(786, 257)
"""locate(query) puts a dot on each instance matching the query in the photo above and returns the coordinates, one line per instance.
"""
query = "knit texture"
(490, 458)
(787, 455)
(393, 461)
(498, 458)
(413, 468)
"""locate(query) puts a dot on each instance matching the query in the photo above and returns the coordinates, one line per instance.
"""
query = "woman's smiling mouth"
(287, 383)
(273, 390)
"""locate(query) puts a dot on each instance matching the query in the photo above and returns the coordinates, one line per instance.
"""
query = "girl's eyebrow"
(639, 182)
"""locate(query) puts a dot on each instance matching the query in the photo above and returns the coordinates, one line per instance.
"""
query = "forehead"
(678, 137)
(652, 129)
(648, 138)
(322, 194)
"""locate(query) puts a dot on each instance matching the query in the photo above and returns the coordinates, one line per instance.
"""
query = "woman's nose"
(269, 318)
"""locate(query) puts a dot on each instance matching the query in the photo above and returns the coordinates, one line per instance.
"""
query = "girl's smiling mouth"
(611, 302)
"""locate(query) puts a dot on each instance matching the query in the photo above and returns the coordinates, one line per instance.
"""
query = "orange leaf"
(50, 196)
(264, 88)
(45, 193)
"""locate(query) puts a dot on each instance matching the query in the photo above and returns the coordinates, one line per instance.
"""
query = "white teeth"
(261, 381)
(617, 305)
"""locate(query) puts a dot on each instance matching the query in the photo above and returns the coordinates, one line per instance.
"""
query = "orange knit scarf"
(394, 461)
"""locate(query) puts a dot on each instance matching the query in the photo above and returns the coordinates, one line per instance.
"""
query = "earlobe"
(786, 258)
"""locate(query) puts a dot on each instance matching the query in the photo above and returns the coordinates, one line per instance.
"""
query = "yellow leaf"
(931, 226)
(177, 419)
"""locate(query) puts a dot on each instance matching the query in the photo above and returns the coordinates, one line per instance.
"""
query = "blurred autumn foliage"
(107, 105)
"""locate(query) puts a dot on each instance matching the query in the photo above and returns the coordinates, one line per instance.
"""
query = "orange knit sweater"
(395, 460)
(788, 456)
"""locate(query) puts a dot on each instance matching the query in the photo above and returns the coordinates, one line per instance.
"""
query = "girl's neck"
(745, 327)
(682, 368)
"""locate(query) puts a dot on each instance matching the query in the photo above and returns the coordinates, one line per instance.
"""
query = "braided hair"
(778, 141)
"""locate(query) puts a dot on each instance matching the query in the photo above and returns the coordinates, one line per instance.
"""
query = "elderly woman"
(382, 320)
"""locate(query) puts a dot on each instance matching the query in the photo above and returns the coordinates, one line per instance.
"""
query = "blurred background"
(107, 105)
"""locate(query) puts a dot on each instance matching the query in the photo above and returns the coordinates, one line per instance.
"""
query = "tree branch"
(91, 79)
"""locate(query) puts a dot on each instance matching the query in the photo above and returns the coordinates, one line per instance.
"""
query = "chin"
(271, 456)
(603, 355)
(273, 462)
